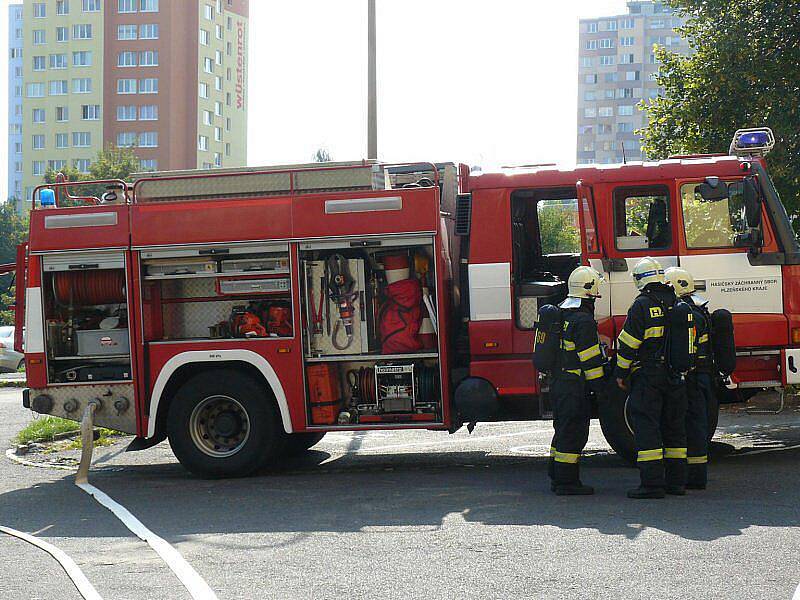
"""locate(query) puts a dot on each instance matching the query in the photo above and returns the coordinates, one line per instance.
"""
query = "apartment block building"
(15, 87)
(617, 69)
(167, 78)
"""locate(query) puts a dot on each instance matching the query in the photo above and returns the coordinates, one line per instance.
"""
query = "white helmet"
(584, 282)
(648, 270)
(680, 280)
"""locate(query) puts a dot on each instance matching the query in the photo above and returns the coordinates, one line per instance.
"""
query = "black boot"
(567, 481)
(551, 473)
(675, 476)
(698, 477)
(675, 490)
(646, 493)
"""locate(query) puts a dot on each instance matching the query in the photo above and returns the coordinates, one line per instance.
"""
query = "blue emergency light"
(752, 142)
(47, 198)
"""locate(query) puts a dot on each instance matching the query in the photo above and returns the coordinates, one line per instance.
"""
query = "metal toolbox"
(102, 342)
(228, 287)
(270, 264)
(181, 266)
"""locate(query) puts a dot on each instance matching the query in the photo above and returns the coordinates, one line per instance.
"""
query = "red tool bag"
(400, 317)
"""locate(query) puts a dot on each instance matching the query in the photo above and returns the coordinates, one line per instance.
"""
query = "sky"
(491, 82)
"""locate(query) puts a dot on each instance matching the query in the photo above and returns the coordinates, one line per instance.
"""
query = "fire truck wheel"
(615, 422)
(221, 425)
(297, 443)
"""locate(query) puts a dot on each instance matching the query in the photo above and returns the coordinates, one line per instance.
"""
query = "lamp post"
(372, 99)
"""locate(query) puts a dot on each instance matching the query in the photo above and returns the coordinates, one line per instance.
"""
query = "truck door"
(592, 250)
(725, 273)
(643, 218)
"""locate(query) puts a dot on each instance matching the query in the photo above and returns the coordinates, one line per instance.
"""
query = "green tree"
(13, 231)
(558, 231)
(322, 156)
(744, 72)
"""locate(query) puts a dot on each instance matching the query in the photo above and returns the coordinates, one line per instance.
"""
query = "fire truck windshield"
(712, 224)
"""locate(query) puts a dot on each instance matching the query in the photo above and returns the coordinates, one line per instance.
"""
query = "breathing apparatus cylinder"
(723, 342)
(548, 337)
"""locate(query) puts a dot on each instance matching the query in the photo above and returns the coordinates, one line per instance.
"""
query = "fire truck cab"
(245, 313)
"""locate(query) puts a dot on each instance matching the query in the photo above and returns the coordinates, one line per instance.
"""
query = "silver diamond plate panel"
(527, 312)
(200, 287)
(106, 416)
(192, 319)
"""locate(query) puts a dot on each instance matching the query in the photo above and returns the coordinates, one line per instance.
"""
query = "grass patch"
(44, 428)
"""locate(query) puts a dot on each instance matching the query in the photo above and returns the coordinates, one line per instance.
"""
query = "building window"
(38, 141)
(62, 140)
(202, 90)
(148, 58)
(625, 111)
(208, 12)
(207, 118)
(591, 27)
(627, 41)
(585, 130)
(218, 31)
(82, 85)
(230, 24)
(38, 115)
(126, 6)
(607, 61)
(218, 83)
(15, 128)
(90, 112)
(59, 88)
(91, 5)
(228, 48)
(148, 112)
(589, 95)
(81, 164)
(626, 59)
(628, 23)
(38, 167)
(611, 25)
(81, 139)
(227, 149)
(632, 75)
(205, 37)
(34, 90)
(227, 98)
(62, 34)
(208, 65)
(625, 93)
(126, 86)
(126, 113)
(606, 111)
(126, 139)
(62, 7)
(39, 10)
(16, 53)
(39, 63)
(603, 129)
(202, 142)
(148, 164)
(126, 32)
(624, 127)
(148, 86)
(586, 62)
(148, 139)
(589, 113)
(148, 31)
(82, 32)
(58, 61)
(217, 159)
(217, 134)
(591, 78)
(148, 6)
(39, 37)
(591, 44)
(126, 59)
(82, 58)
(62, 114)
(657, 24)
(607, 43)
(218, 108)
(218, 57)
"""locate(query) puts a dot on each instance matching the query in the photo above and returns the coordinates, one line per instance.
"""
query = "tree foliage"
(744, 72)
(13, 231)
(558, 229)
(322, 155)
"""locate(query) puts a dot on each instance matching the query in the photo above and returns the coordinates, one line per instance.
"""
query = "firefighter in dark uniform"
(580, 366)
(657, 398)
(699, 381)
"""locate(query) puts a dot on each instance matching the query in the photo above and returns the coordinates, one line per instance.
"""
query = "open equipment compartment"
(370, 340)
(85, 300)
(239, 292)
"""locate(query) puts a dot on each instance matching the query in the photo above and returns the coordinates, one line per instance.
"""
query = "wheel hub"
(219, 426)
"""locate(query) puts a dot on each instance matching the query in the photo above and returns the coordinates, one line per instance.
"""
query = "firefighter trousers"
(571, 415)
(658, 416)
(699, 391)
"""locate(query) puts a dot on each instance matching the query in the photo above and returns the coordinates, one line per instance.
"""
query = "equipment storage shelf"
(370, 337)
(219, 295)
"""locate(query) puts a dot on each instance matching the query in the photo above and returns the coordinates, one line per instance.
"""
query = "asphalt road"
(417, 515)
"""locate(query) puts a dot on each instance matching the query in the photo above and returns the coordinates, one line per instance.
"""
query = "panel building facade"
(15, 86)
(167, 78)
(616, 70)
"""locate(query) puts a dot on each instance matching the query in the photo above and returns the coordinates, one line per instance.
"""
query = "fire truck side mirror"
(752, 203)
(713, 189)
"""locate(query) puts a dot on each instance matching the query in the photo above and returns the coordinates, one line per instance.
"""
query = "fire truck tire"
(221, 425)
(612, 409)
(297, 443)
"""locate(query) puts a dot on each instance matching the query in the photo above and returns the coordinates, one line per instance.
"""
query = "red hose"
(87, 288)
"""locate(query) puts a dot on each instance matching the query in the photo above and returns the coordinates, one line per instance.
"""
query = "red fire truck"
(242, 314)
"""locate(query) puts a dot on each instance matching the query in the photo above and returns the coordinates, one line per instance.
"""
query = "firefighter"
(657, 398)
(699, 381)
(580, 366)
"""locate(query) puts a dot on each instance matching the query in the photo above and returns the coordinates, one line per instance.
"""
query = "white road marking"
(191, 579)
(72, 570)
(766, 450)
(796, 594)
